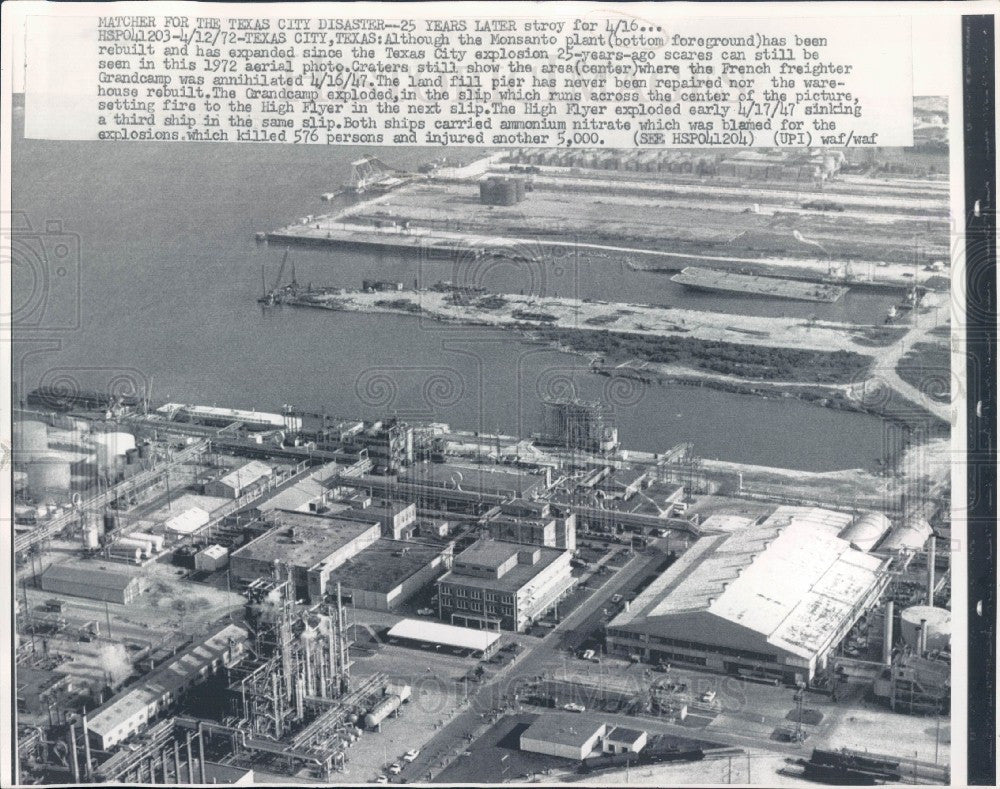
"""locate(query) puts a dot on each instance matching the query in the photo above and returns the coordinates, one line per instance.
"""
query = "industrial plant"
(582, 577)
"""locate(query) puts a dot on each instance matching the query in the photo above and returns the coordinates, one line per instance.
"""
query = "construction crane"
(273, 296)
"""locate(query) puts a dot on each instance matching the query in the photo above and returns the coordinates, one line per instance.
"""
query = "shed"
(482, 641)
(212, 558)
(622, 739)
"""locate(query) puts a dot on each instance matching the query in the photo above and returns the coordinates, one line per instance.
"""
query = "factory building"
(309, 547)
(770, 601)
(240, 480)
(388, 572)
(503, 585)
(95, 582)
(568, 736)
(132, 709)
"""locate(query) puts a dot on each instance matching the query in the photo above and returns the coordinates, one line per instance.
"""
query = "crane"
(273, 295)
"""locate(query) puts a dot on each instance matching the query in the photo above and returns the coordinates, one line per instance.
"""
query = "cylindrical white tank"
(30, 437)
(142, 545)
(937, 622)
(111, 448)
(49, 475)
(156, 540)
(866, 530)
(132, 553)
(91, 536)
(382, 710)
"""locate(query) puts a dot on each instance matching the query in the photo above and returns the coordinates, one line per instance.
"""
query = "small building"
(571, 736)
(240, 480)
(210, 559)
(93, 581)
(388, 572)
(622, 739)
(479, 642)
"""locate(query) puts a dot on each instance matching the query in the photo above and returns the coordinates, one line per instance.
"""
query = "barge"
(715, 281)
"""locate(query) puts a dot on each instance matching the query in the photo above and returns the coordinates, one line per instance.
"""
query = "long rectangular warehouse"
(772, 600)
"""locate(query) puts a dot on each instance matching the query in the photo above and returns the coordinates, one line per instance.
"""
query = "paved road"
(451, 740)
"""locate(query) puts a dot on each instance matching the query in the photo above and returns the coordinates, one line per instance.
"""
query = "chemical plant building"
(309, 547)
(387, 573)
(95, 582)
(772, 600)
(502, 585)
(130, 711)
(240, 480)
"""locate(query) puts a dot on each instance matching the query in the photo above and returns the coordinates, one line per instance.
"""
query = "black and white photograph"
(594, 413)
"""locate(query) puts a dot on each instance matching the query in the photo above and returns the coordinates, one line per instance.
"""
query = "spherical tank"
(49, 476)
(938, 624)
(866, 530)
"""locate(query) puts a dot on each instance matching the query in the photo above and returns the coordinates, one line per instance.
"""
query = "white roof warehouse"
(771, 600)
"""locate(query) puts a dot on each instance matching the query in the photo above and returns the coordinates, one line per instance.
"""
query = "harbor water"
(168, 274)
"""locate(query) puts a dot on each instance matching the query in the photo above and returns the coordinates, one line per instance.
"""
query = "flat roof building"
(622, 739)
(388, 572)
(571, 736)
(482, 642)
(93, 581)
(771, 600)
(310, 547)
(503, 585)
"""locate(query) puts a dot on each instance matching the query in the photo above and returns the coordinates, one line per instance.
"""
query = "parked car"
(382, 779)
(616, 598)
(425, 611)
(411, 754)
(395, 769)
(708, 696)
(588, 655)
(574, 707)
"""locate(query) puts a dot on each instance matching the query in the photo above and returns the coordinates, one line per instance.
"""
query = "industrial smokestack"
(86, 749)
(72, 752)
(887, 635)
(931, 557)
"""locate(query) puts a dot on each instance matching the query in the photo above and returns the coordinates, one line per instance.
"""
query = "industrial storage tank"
(30, 437)
(144, 546)
(91, 525)
(49, 475)
(938, 624)
(111, 448)
(382, 710)
(866, 530)
(909, 536)
(156, 540)
(135, 554)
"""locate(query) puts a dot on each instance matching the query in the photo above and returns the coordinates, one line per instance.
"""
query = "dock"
(713, 280)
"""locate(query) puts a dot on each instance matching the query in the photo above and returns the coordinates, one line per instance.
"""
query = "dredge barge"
(712, 280)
